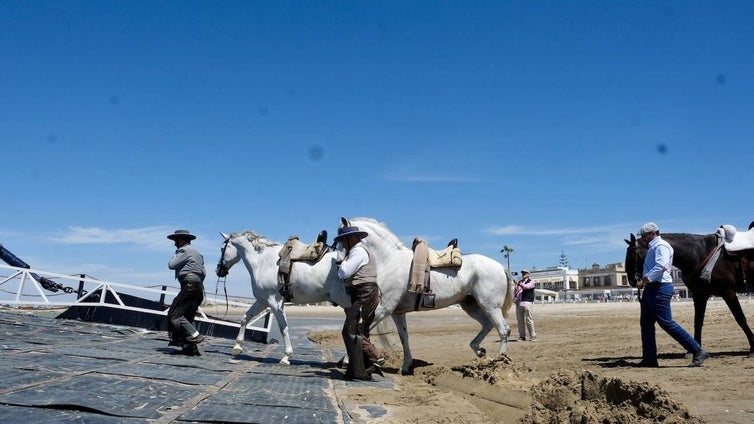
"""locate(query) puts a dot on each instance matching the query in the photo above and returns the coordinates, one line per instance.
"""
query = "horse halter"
(634, 248)
(221, 270)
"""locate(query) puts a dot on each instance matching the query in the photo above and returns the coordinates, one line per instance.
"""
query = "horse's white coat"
(482, 286)
(310, 282)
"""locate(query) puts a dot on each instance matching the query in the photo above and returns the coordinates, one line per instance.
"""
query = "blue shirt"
(659, 261)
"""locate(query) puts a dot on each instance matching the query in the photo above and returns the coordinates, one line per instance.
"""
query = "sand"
(579, 370)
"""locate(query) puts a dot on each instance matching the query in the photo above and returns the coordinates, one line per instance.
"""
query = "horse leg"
(700, 308)
(408, 361)
(495, 315)
(471, 307)
(256, 309)
(735, 308)
(279, 312)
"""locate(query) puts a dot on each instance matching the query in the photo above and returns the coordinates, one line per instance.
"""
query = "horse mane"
(379, 230)
(256, 239)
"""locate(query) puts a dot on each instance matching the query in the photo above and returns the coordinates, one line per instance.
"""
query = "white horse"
(311, 282)
(481, 286)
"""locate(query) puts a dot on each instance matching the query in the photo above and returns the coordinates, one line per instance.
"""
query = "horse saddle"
(426, 258)
(736, 241)
(295, 250)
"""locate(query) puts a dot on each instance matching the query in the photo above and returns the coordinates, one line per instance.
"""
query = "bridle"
(221, 270)
(633, 248)
(637, 259)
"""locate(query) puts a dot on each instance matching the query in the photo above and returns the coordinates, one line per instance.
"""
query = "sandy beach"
(579, 368)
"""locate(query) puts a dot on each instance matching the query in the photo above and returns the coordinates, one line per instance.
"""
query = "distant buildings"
(608, 283)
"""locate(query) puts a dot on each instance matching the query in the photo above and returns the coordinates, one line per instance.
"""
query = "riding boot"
(285, 291)
(356, 368)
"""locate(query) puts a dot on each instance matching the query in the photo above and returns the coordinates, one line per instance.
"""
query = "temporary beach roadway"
(69, 371)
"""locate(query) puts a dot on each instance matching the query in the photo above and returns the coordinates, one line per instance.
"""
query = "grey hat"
(349, 231)
(649, 227)
(181, 234)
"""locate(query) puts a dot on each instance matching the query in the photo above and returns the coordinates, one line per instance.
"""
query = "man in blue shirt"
(657, 285)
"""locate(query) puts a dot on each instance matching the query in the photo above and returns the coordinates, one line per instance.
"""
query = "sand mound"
(583, 397)
(571, 396)
(490, 369)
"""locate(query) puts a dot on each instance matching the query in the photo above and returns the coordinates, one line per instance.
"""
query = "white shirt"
(357, 258)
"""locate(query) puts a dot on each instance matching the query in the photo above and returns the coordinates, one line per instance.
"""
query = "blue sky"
(546, 126)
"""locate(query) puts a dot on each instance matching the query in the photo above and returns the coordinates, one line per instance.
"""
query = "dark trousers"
(359, 317)
(655, 308)
(183, 310)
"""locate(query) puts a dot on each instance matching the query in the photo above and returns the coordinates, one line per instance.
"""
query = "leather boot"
(356, 369)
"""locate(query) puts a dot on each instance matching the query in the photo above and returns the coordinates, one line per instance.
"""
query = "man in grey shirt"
(189, 271)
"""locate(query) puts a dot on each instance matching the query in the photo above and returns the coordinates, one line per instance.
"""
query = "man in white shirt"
(359, 272)
(657, 285)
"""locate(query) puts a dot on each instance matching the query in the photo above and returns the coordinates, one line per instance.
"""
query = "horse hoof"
(237, 351)
(285, 361)
(482, 352)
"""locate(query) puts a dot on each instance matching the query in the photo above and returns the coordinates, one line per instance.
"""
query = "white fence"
(32, 288)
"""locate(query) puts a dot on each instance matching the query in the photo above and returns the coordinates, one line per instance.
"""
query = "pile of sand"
(584, 397)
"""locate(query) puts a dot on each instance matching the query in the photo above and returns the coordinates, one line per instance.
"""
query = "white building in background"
(557, 278)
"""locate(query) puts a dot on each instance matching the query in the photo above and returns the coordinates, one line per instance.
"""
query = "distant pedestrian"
(524, 301)
(657, 285)
(189, 271)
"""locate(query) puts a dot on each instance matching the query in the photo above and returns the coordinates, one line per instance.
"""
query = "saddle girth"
(423, 261)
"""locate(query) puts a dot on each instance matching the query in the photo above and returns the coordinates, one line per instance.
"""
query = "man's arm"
(356, 258)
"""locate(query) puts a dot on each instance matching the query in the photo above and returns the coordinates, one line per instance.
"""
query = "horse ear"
(224, 236)
(633, 239)
(344, 221)
(627, 242)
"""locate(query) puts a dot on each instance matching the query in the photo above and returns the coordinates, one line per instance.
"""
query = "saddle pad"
(742, 240)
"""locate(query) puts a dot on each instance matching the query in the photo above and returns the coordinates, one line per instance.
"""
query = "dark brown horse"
(691, 252)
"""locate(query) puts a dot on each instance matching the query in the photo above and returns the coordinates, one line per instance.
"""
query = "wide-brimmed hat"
(181, 234)
(349, 231)
(525, 271)
(649, 227)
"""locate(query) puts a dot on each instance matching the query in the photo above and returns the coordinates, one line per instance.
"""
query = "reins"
(222, 272)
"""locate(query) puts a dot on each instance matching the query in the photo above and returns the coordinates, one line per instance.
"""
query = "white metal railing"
(26, 287)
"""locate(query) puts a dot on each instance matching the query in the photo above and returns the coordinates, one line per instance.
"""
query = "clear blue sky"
(547, 126)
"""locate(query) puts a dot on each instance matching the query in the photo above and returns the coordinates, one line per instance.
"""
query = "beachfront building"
(595, 284)
(608, 283)
(556, 278)
(612, 275)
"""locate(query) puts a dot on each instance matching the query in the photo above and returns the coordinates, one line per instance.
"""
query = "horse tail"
(509, 293)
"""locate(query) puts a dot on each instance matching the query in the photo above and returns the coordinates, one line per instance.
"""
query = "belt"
(190, 274)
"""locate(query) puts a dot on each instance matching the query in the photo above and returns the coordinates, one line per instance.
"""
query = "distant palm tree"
(506, 251)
